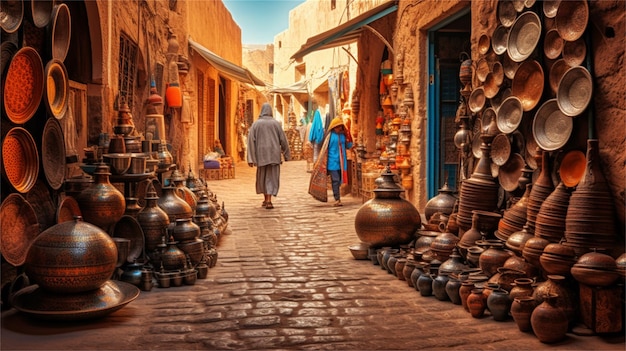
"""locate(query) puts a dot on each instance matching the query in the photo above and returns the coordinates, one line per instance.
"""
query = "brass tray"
(18, 228)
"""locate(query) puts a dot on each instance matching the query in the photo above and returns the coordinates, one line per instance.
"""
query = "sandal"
(269, 206)
(264, 204)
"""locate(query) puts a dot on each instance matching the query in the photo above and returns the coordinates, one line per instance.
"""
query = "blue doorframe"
(433, 135)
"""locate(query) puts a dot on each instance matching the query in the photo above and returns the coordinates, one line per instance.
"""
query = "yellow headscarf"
(337, 121)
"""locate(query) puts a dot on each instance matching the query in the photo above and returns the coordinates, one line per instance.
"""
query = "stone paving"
(285, 279)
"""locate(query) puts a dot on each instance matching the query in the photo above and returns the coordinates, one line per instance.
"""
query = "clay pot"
(493, 258)
(101, 203)
(566, 291)
(71, 257)
(425, 284)
(548, 321)
(417, 272)
(522, 287)
(521, 309)
(439, 287)
(194, 249)
(387, 219)
(464, 291)
(452, 289)
(407, 270)
(499, 304)
(172, 257)
(476, 303)
(399, 268)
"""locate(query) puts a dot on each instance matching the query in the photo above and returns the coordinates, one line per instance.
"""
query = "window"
(300, 72)
(271, 68)
(333, 4)
(127, 69)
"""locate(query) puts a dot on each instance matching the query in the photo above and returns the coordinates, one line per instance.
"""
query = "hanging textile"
(318, 184)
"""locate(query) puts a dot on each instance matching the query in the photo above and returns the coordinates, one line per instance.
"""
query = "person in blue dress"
(337, 164)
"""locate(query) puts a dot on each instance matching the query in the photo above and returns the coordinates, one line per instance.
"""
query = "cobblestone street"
(285, 279)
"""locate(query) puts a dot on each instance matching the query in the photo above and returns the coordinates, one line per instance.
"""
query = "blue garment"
(316, 135)
(334, 149)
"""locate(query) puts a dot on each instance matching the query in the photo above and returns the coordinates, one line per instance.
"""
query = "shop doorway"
(446, 42)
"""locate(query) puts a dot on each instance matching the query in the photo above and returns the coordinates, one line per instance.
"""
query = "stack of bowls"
(514, 218)
(557, 259)
(590, 220)
(542, 188)
(550, 222)
(595, 269)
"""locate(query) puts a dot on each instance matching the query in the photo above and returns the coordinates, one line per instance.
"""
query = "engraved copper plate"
(20, 161)
(523, 36)
(67, 210)
(53, 153)
(23, 86)
(18, 228)
(551, 128)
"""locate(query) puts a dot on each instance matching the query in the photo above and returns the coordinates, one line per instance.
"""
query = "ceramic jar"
(172, 257)
(521, 309)
(185, 229)
(452, 289)
(387, 219)
(499, 304)
(408, 268)
(132, 273)
(420, 268)
(566, 291)
(522, 287)
(476, 303)
(101, 203)
(493, 258)
(399, 268)
(439, 286)
(71, 257)
(548, 321)
(464, 291)
(425, 284)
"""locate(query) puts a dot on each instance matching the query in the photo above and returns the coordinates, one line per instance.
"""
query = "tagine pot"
(387, 219)
(71, 257)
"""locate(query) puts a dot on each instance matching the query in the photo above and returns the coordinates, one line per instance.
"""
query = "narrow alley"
(285, 279)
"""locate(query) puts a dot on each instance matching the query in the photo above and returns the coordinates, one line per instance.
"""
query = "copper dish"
(551, 128)
(498, 73)
(41, 12)
(571, 19)
(482, 69)
(18, 228)
(500, 149)
(20, 160)
(38, 303)
(7, 50)
(498, 39)
(574, 52)
(476, 100)
(509, 115)
(523, 36)
(11, 15)
(510, 172)
(557, 70)
(57, 88)
(53, 153)
(129, 228)
(506, 12)
(67, 210)
(550, 8)
(359, 251)
(484, 43)
(575, 90)
(491, 87)
(552, 44)
(572, 168)
(496, 101)
(528, 84)
(510, 66)
(60, 32)
(23, 85)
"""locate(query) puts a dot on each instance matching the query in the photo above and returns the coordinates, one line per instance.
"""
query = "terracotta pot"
(521, 309)
(566, 291)
(548, 321)
(399, 268)
(407, 270)
(71, 257)
(464, 291)
(425, 284)
(476, 303)
(522, 287)
(493, 258)
(439, 287)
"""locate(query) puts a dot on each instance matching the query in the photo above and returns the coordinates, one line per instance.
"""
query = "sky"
(261, 20)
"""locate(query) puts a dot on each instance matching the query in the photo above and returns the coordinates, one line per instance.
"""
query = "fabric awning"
(345, 33)
(297, 87)
(225, 67)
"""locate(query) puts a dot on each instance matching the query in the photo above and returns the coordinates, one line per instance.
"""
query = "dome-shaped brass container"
(101, 203)
(442, 202)
(153, 221)
(71, 257)
(387, 219)
(173, 205)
